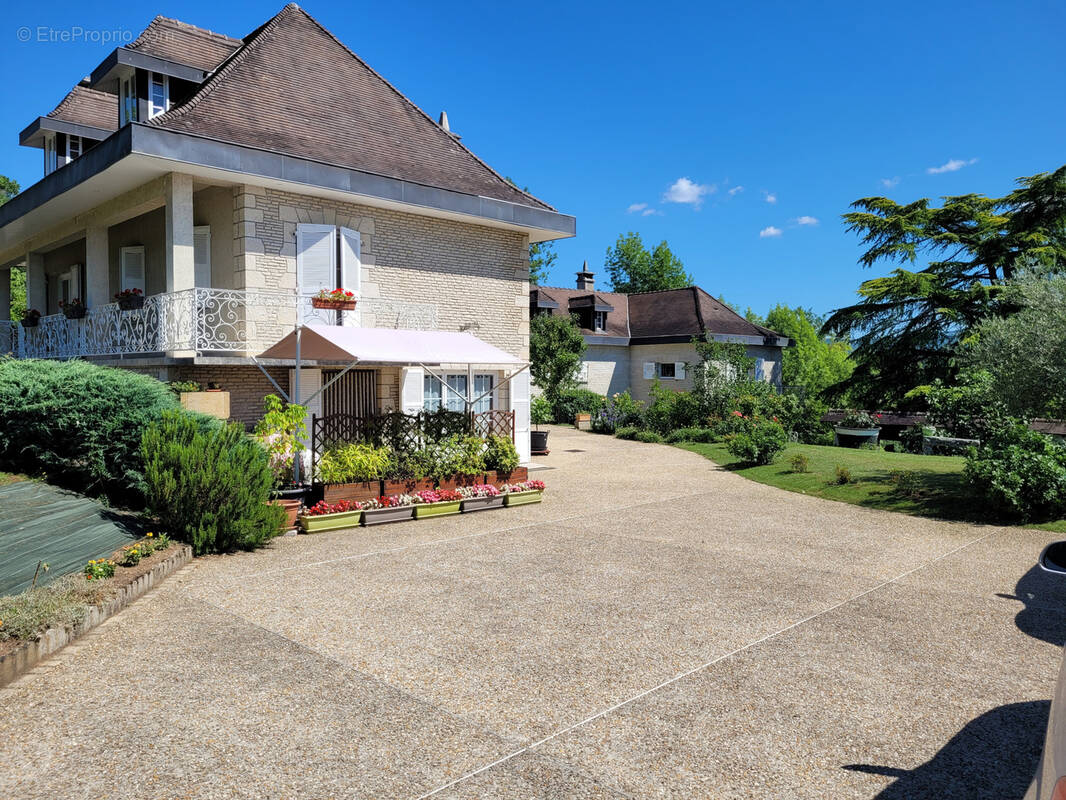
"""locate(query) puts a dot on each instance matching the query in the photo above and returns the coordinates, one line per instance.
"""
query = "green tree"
(8, 189)
(907, 324)
(634, 269)
(555, 350)
(541, 257)
(816, 362)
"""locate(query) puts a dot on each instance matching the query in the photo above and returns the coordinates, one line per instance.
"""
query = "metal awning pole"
(296, 394)
(274, 383)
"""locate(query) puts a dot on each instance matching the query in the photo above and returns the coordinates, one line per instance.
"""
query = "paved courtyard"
(658, 627)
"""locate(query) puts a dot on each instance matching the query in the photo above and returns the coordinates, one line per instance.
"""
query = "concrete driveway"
(658, 627)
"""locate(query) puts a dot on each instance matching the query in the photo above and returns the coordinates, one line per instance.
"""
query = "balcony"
(198, 322)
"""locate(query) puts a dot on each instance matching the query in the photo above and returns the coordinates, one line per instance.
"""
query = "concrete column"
(97, 268)
(5, 294)
(36, 290)
(179, 242)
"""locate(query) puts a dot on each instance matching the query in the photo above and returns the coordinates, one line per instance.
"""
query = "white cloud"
(888, 183)
(769, 232)
(685, 191)
(951, 166)
(651, 212)
(805, 220)
(771, 198)
(635, 207)
(736, 190)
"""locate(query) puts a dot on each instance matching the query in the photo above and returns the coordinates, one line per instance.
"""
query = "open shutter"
(316, 262)
(760, 369)
(519, 392)
(201, 249)
(649, 370)
(310, 382)
(679, 370)
(351, 272)
(131, 273)
(411, 388)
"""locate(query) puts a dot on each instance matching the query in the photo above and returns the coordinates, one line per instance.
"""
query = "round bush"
(648, 437)
(572, 402)
(1020, 473)
(759, 443)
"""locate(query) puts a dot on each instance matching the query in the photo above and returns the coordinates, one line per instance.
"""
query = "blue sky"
(758, 117)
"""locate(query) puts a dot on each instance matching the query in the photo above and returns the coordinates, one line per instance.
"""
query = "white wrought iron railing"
(9, 338)
(200, 321)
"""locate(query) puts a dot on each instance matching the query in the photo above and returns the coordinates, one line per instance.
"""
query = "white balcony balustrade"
(198, 322)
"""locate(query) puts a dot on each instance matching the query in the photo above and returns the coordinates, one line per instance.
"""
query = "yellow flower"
(149, 534)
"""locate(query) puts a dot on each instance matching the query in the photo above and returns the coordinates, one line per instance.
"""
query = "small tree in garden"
(281, 432)
(555, 350)
(722, 373)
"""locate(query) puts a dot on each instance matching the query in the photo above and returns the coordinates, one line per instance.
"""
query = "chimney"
(585, 278)
(443, 122)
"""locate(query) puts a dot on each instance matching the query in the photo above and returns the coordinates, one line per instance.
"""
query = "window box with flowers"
(130, 299)
(323, 516)
(394, 508)
(73, 309)
(857, 428)
(480, 498)
(335, 299)
(524, 493)
(441, 503)
(31, 318)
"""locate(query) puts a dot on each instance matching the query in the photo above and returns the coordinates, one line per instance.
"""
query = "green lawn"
(943, 491)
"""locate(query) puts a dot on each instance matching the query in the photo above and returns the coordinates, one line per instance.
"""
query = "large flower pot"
(453, 482)
(497, 478)
(407, 486)
(74, 312)
(330, 522)
(522, 498)
(538, 442)
(356, 492)
(423, 510)
(292, 508)
(333, 305)
(379, 516)
(854, 437)
(482, 503)
(131, 303)
(583, 422)
(30, 322)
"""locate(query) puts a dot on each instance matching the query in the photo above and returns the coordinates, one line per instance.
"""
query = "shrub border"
(29, 654)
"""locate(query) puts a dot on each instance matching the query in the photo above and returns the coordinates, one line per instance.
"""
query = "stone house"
(229, 180)
(633, 340)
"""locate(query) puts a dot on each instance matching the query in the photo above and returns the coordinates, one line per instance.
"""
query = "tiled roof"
(84, 106)
(293, 88)
(617, 320)
(186, 44)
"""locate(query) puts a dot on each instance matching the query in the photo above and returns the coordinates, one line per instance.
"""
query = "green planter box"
(331, 522)
(423, 510)
(522, 498)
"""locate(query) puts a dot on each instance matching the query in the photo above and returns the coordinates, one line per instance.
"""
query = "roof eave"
(108, 69)
(33, 134)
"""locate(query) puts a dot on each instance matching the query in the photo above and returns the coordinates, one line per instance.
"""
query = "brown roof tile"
(294, 88)
(617, 320)
(186, 44)
(84, 106)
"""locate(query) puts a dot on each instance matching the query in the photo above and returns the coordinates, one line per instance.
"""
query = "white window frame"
(158, 79)
(70, 284)
(124, 282)
(659, 370)
(198, 277)
(597, 316)
(51, 157)
(447, 394)
(127, 99)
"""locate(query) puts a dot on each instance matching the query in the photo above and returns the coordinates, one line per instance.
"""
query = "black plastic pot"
(538, 441)
(291, 493)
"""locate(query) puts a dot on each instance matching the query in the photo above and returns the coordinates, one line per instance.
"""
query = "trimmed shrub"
(500, 454)
(627, 432)
(842, 475)
(210, 486)
(799, 463)
(355, 463)
(572, 402)
(692, 435)
(760, 443)
(79, 425)
(648, 437)
(1020, 473)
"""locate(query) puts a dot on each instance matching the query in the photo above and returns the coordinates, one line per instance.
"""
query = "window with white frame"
(599, 320)
(127, 99)
(158, 94)
(74, 147)
(50, 160)
(70, 284)
(664, 370)
(453, 398)
(132, 268)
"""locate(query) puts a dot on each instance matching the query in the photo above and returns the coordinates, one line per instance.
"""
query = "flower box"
(131, 302)
(30, 322)
(398, 486)
(74, 311)
(517, 475)
(356, 492)
(423, 510)
(333, 305)
(471, 504)
(330, 522)
(522, 498)
(380, 516)
(455, 481)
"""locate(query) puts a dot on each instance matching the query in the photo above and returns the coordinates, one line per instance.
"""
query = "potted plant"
(280, 431)
(411, 472)
(73, 309)
(501, 461)
(540, 411)
(857, 428)
(440, 503)
(31, 318)
(394, 508)
(335, 299)
(323, 516)
(130, 299)
(353, 471)
(480, 497)
(520, 494)
(214, 387)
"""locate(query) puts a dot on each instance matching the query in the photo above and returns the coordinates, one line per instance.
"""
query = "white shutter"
(583, 372)
(649, 370)
(131, 272)
(351, 272)
(201, 249)
(310, 382)
(411, 388)
(519, 393)
(679, 370)
(316, 263)
(760, 369)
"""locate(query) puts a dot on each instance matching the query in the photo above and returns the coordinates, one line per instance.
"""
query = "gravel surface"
(656, 627)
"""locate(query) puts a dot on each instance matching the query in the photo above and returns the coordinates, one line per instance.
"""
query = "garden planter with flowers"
(355, 492)
(441, 503)
(31, 318)
(454, 482)
(399, 486)
(336, 300)
(498, 478)
(395, 508)
(324, 516)
(73, 309)
(856, 429)
(521, 494)
(130, 299)
(480, 498)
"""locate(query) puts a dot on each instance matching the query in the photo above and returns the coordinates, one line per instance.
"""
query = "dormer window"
(599, 320)
(74, 147)
(50, 155)
(158, 94)
(127, 99)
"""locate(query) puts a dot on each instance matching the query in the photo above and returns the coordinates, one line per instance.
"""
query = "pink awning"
(335, 343)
